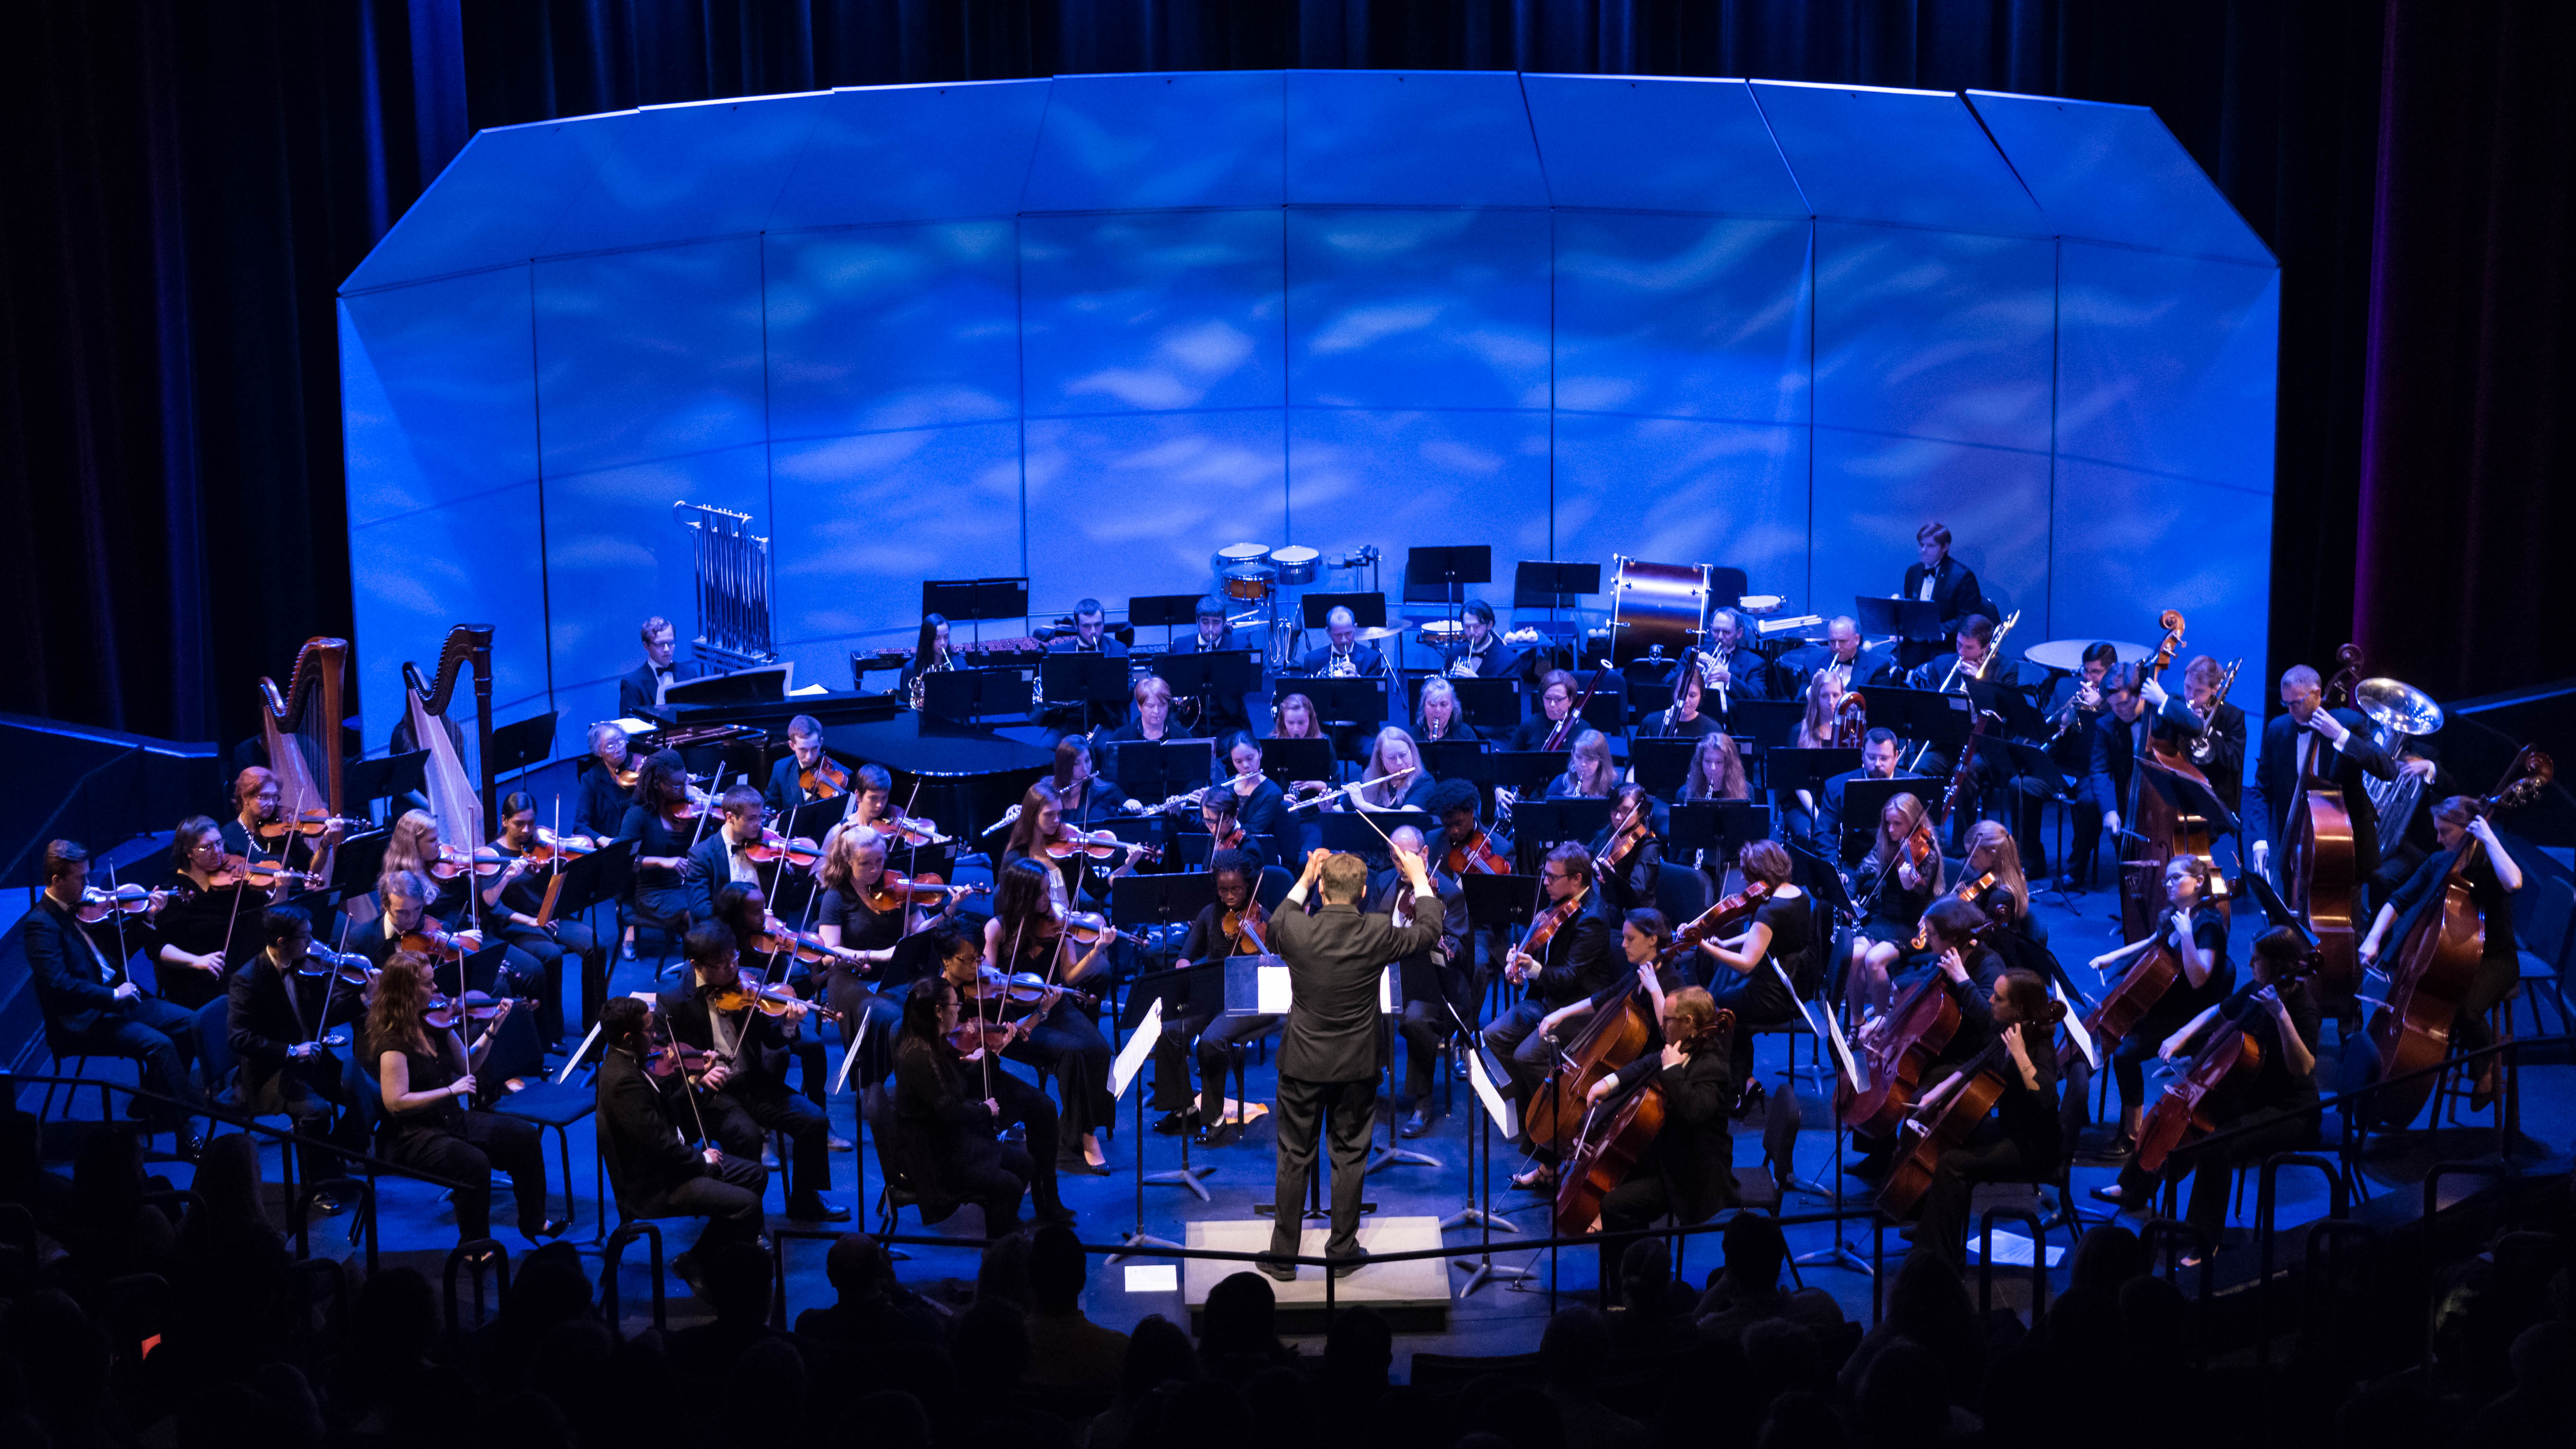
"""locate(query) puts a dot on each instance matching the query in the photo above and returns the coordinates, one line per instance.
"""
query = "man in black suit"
(1344, 657)
(1580, 959)
(656, 1173)
(1090, 636)
(746, 1094)
(723, 855)
(1950, 585)
(2215, 737)
(1842, 653)
(95, 1009)
(1214, 635)
(2333, 746)
(641, 686)
(1480, 652)
(1878, 752)
(2134, 710)
(804, 752)
(277, 1020)
(1729, 669)
(1328, 1056)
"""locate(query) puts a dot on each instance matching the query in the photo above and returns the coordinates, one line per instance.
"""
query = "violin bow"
(124, 955)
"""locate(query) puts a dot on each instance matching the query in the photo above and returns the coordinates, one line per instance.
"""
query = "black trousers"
(160, 1038)
(2496, 977)
(486, 1140)
(308, 1091)
(1221, 1043)
(1344, 1110)
(1760, 1003)
(1987, 1156)
(1528, 1056)
(2129, 1059)
(1424, 1026)
(1035, 1112)
(2268, 1130)
(749, 1107)
(570, 940)
(728, 1196)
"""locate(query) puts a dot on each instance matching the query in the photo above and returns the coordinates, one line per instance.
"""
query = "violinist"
(746, 1095)
(1343, 656)
(2019, 1141)
(1393, 777)
(1438, 983)
(757, 940)
(1688, 1171)
(1438, 716)
(1480, 652)
(279, 1019)
(2279, 1096)
(1878, 754)
(425, 1076)
(1465, 846)
(661, 824)
(1993, 866)
(804, 774)
(259, 799)
(2310, 741)
(1842, 657)
(658, 1172)
(206, 928)
(723, 856)
(1589, 775)
(1218, 816)
(90, 1005)
(1716, 772)
(2195, 930)
(1081, 880)
(512, 901)
(414, 847)
(1556, 691)
(1899, 878)
(1260, 805)
(992, 1027)
(1752, 972)
(640, 688)
(947, 1134)
(1230, 926)
(607, 783)
(1628, 852)
(1153, 723)
(1080, 799)
(1580, 957)
(2492, 879)
(1943, 581)
(877, 954)
(1681, 719)
(1031, 931)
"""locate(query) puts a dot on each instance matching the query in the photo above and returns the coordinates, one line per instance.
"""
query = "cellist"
(1689, 1170)
(2195, 930)
(2020, 1141)
(1579, 958)
(2492, 880)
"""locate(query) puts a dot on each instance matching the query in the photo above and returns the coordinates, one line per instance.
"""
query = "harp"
(454, 799)
(301, 726)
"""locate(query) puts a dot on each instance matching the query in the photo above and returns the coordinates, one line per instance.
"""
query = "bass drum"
(1296, 564)
(1655, 609)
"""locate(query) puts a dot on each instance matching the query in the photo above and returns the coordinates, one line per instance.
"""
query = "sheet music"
(2075, 1029)
(841, 1081)
(1495, 1106)
(1131, 1057)
(1842, 1049)
(1275, 996)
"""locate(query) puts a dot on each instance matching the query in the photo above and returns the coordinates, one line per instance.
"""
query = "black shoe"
(838, 1143)
(547, 1231)
(1175, 1122)
(2118, 1149)
(685, 1268)
(1055, 1213)
(1277, 1266)
(1345, 1264)
(809, 1207)
(1223, 1134)
(1417, 1124)
(2112, 1194)
(1077, 1165)
(1755, 1095)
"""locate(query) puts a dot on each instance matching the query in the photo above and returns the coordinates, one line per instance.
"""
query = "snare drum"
(1248, 583)
(1240, 555)
(1296, 564)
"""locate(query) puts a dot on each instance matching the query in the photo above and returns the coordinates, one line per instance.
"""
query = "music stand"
(1553, 586)
(1718, 826)
(603, 875)
(1662, 763)
(1192, 849)
(1348, 703)
(1555, 820)
(1169, 611)
(1528, 771)
(976, 600)
(1765, 722)
(1349, 832)
(1155, 771)
(1499, 902)
(1095, 680)
(357, 862)
(1793, 770)
(1227, 674)
(387, 778)
(963, 696)
(1440, 575)
(2021, 718)
(760, 684)
(1915, 620)
(814, 819)
(1489, 704)
(1864, 801)
(2186, 795)
(1467, 760)
(1286, 760)
(1368, 611)
(524, 744)
(1941, 720)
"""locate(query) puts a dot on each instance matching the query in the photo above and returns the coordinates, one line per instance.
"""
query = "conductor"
(1328, 1056)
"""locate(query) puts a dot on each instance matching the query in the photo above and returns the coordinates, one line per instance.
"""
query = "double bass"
(2320, 874)
(1606, 1151)
(2434, 964)
(2147, 836)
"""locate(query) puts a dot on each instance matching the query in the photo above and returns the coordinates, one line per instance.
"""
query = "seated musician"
(517, 896)
(403, 899)
(1342, 656)
(1464, 846)
(90, 1004)
(2020, 1140)
(1393, 777)
(947, 1139)
(1556, 691)
(1628, 875)
(1030, 933)
(2279, 1096)
(1214, 635)
(2210, 730)
(279, 1022)
(662, 823)
(1682, 718)
(1973, 656)
(2005, 899)
(202, 930)
(956, 955)
(1221, 1038)
(1688, 1171)
(1081, 798)
(1090, 636)
(640, 688)
(455, 904)
(1589, 774)
(1752, 973)
(723, 854)
(425, 1077)
(1842, 657)
(2492, 879)
(804, 774)
(1645, 935)
(741, 909)
(1260, 805)
(1579, 958)
(2311, 741)
(1219, 815)
(2076, 704)
(1893, 892)
(259, 799)
(1082, 882)
(646, 1134)
(869, 974)
(1729, 667)
(1153, 722)
(1438, 716)
(2194, 928)
(607, 784)
(1817, 724)
(1716, 772)
(1480, 652)
(1948, 584)
(1438, 985)
(1878, 755)
(746, 1095)
(930, 651)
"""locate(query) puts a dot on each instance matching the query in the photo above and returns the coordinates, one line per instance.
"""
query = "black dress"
(1757, 997)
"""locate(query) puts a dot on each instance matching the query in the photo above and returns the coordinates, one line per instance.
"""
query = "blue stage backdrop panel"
(1873, 492)
(1123, 142)
(2114, 173)
(1415, 309)
(1151, 311)
(1682, 316)
(649, 354)
(1934, 334)
(1410, 138)
(469, 562)
(687, 172)
(1135, 503)
(897, 326)
(2167, 363)
(1684, 490)
(494, 204)
(1915, 158)
(1647, 144)
(2131, 544)
(913, 153)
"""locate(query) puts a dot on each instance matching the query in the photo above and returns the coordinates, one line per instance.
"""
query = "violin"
(1477, 853)
(1968, 891)
(804, 946)
(438, 943)
(1243, 928)
(1089, 928)
(351, 970)
(1099, 845)
(913, 831)
(453, 861)
(1024, 988)
(894, 890)
(974, 1037)
(677, 1057)
(126, 900)
(1713, 920)
(799, 853)
(826, 779)
(443, 1013)
(259, 875)
(1544, 926)
(550, 845)
(315, 821)
(1639, 825)
(749, 992)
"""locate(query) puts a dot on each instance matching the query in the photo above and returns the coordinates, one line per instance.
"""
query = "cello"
(1604, 1153)
(2181, 1116)
(1981, 1086)
(2437, 960)
(2320, 875)
(1917, 1027)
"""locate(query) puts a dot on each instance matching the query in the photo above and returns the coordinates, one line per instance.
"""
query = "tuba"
(2396, 711)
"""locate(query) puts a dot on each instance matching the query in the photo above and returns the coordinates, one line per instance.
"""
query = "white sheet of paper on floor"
(1274, 996)
(1495, 1106)
(1153, 1278)
(2012, 1250)
(1131, 1057)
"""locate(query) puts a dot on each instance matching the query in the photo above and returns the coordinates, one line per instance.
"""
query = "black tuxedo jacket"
(1798, 666)
(2276, 779)
(1364, 658)
(1333, 959)
(637, 686)
(67, 964)
(1954, 591)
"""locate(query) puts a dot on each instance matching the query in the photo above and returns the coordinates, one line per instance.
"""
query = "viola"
(1968, 891)
(452, 861)
(1544, 926)
(914, 831)
(799, 853)
(1023, 988)
(894, 890)
(677, 1057)
(549, 845)
(1243, 928)
(973, 1038)
(350, 970)
(1476, 853)
(1894, 1056)
(1713, 920)
(825, 779)
(1606, 1151)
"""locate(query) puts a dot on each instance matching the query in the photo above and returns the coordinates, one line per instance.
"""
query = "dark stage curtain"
(184, 185)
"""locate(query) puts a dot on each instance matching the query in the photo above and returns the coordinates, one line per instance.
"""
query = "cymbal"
(1371, 636)
(2068, 654)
